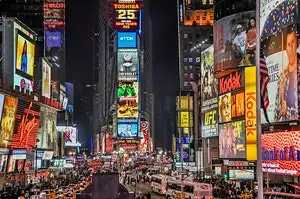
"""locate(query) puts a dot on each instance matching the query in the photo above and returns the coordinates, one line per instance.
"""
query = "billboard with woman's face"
(280, 46)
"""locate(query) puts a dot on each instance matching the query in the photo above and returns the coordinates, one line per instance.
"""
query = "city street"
(144, 188)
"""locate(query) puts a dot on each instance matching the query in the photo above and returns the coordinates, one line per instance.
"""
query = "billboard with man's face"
(280, 45)
(234, 42)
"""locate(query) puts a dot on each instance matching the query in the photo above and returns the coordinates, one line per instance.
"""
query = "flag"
(264, 81)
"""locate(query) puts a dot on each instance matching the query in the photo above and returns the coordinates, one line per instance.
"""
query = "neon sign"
(127, 15)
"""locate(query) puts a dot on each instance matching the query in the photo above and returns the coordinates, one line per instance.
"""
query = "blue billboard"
(126, 39)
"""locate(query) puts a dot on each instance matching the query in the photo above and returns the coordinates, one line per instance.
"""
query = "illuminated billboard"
(70, 135)
(127, 90)
(8, 120)
(127, 39)
(27, 124)
(234, 42)
(232, 140)
(128, 63)
(24, 57)
(281, 48)
(54, 14)
(280, 153)
(239, 174)
(127, 130)
(199, 17)
(209, 84)
(127, 16)
(184, 103)
(47, 133)
(210, 123)
(185, 119)
(46, 79)
(53, 39)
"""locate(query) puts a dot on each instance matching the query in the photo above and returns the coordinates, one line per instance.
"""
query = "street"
(144, 188)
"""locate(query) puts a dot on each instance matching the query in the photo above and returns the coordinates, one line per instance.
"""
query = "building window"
(185, 76)
(211, 2)
(190, 67)
(191, 60)
(185, 60)
(185, 68)
(203, 2)
(191, 76)
(185, 36)
(185, 84)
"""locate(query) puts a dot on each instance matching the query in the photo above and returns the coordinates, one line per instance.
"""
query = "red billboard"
(281, 153)
(27, 123)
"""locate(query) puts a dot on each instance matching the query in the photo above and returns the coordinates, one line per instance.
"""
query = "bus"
(280, 195)
(159, 183)
(194, 190)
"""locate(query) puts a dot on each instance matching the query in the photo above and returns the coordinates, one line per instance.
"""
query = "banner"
(250, 116)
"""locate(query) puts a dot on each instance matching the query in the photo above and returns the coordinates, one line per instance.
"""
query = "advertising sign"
(27, 124)
(8, 120)
(225, 108)
(184, 103)
(46, 79)
(232, 82)
(280, 46)
(280, 153)
(109, 142)
(210, 123)
(209, 88)
(127, 39)
(127, 90)
(232, 140)
(127, 100)
(250, 116)
(70, 135)
(24, 58)
(128, 63)
(127, 16)
(54, 14)
(145, 134)
(127, 130)
(47, 132)
(238, 174)
(53, 39)
(234, 41)
(185, 119)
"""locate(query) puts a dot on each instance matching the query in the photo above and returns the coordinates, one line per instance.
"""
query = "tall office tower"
(146, 67)
(105, 71)
(195, 20)
(29, 12)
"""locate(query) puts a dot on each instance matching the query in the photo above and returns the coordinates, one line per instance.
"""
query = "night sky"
(80, 23)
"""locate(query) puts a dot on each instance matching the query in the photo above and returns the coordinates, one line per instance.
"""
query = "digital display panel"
(234, 42)
(225, 108)
(127, 90)
(46, 79)
(128, 63)
(232, 140)
(127, 39)
(280, 153)
(54, 15)
(210, 123)
(53, 39)
(127, 95)
(24, 58)
(280, 45)
(127, 16)
(238, 174)
(237, 105)
(127, 130)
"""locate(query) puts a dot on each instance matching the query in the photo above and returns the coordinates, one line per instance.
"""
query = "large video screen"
(127, 100)
(281, 48)
(128, 63)
(127, 130)
(127, 90)
(24, 58)
(281, 153)
(46, 81)
(127, 16)
(238, 174)
(234, 41)
(232, 140)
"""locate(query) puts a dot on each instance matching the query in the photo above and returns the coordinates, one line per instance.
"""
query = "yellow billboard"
(185, 119)
(184, 103)
(250, 116)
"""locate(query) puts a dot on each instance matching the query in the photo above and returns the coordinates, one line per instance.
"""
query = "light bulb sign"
(127, 16)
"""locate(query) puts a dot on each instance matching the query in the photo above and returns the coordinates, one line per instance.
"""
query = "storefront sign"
(47, 155)
(19, 154)
(250, 116)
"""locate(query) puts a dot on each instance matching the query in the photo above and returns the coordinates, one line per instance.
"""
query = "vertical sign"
(250, 116)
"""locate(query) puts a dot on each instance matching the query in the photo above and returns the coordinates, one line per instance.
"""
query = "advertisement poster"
(209, 88)
(210, 123)
(47, 132)
(128, 130)
(236, 41)
(8, 120)
(24, 58)
(237, 105)
(184, 103)
(225, 108)
(46, 79)
(27, 124)
(128, 63)
(280, 46)
(127, 39)
(109, 147)
(238, 174)
(127, 90)
(145, 134)
(128, 107)
(232, 140)
(280, 153)
(53, 39)
(70, 134)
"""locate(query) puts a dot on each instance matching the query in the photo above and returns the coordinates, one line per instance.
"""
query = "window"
(191, 60)
(191, 75)
(185, 68)
(185, 84)
(185, 36)
(185, 60)
(185, 76)
(203, 2)
(190, 67)
(211, 2)
(157, 180)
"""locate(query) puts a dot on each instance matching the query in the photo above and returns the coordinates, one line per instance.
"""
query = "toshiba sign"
(231, 82)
